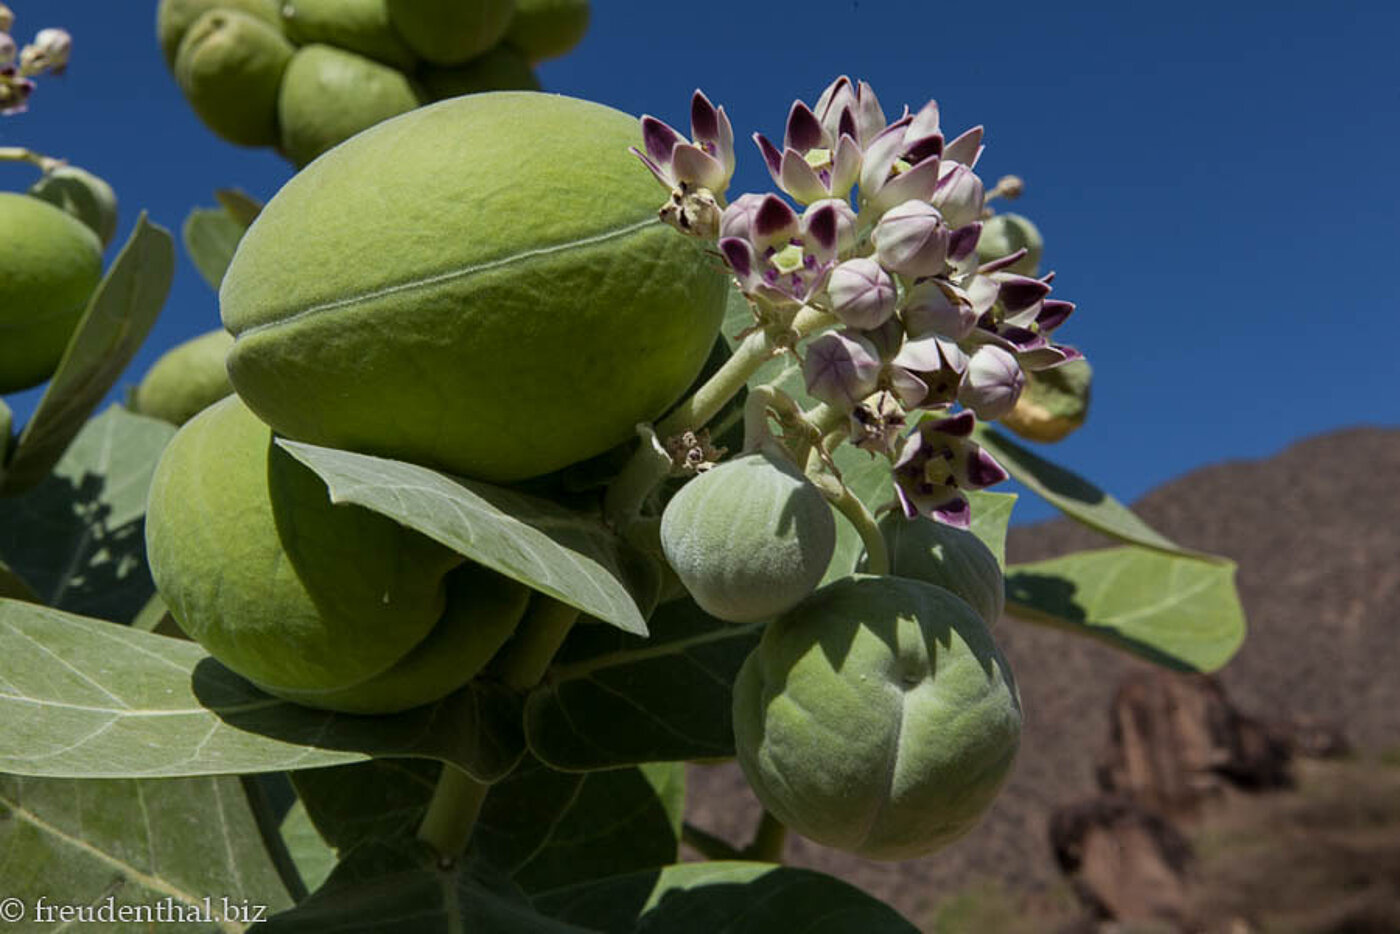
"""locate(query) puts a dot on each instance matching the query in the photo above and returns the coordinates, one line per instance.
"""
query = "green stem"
(707, 844)
(447, 826)
(768, 841)
(648, 466)
(877, 556)
(20, 154)
(547, 622)
(826, 418)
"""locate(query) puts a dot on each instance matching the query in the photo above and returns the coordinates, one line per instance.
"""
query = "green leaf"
(1078, 498)
(612, 699)
(313, 856)
(568, 555)
(78, 537)
(733, 897)
(211, 235)
(151, 844)
(991, 514)
(118, 318)
(82, 698)
(1178, 612)
(14, 587)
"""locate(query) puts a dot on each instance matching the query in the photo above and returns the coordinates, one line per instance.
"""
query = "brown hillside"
(1316, 533)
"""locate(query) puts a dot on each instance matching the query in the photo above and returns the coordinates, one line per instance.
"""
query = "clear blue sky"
(1216, 181)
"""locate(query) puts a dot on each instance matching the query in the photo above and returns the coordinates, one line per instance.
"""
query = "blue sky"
(1215, 181)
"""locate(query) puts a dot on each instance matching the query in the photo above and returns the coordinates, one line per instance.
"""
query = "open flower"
(901, 163)
(850, 109)
(814, 163)
(926, 373)
(785, 259)
(938, 464)
(706, 161)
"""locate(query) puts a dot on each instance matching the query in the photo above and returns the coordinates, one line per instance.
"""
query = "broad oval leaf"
(82, 698)
(570, 556)
(180, 845)
(118, 318)
(611, 699)
(1078, 498)
(1178, 612)
(77, 538)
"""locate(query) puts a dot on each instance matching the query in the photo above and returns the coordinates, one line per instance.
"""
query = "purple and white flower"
(814, 163)
(785, 259)
(938, 463)
(704, 161)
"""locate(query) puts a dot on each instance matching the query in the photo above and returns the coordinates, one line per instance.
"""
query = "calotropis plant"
(454, 643)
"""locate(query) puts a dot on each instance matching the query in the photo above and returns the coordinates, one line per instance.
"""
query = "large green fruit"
(328, 95)
(230, 67)
(50, 263)
(480, 285)
(354, 25)
(877, 717)
(175, 17)
(331, 606)
(186, 380)
(750, 538)
(953, 559)
(1054, 403)
(82, 194)
(501, 69)
(450, 32)
(547, 28)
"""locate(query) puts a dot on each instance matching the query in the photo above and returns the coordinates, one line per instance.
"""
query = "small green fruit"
(953, 559)
(332, 606)
(501, 69)
(450, 32)
(547, 28)
(1004, 234)
(750, 538)
(175, 17)
(50, 263)
(360, 26)
(82, 194)
(328, 95)
(878, 717)
(230, 67)
(1054, 403)
(492, 294)
(186, 380)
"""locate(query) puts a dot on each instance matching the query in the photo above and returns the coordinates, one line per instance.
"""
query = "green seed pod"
(450, 32)
(750, 538)
(360, 26)
(953, 559)
(1004, 234)
(175, 17)
(82, 194)
(332, 606)
(493, 295)
(878, 717)
(501, 69)
(186, 380)
(547, 28)
(328, 95)
(1054, 403)
(50, 263)
(230, 67)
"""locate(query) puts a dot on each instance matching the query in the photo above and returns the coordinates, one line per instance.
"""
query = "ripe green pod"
(331, 606)
(50, 263)
(230, 67)
(1054, 403)
(494, 295)
(450, 32)
(82, 194)
(186, 380)
(328, 95)
(878, 717)
(953, 559)
(1004, 234)
(501, 69)
(750, 538)
(547, 28)
(360, 26)
(175, 17)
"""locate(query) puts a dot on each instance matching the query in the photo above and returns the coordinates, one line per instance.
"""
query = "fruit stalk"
(526, 658)
(768, 840)
(850, 506)
(451, 817)
(20, 154)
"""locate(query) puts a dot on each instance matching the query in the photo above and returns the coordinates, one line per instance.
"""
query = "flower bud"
(737, 220)
(8, 51)
(912, 240)
(841, 368)
(992, 384)
(862, 293)
(935, 307)
(959, 194)
(48, 52)
(7, 18)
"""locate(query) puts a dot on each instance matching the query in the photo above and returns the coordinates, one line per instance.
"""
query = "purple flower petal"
(966, 148)
(659, 140)
(804, 130)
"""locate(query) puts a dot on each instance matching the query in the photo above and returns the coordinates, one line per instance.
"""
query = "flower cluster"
(885, 242)
(18, 67)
